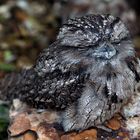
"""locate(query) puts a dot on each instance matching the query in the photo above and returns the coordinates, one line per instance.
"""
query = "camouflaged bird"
(86, 75)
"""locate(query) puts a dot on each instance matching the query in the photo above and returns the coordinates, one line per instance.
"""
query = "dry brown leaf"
(114, 124)
(46, 132)
(85, 135)
(20, 124)
(123, 134)
(68, 136)
(29, 136)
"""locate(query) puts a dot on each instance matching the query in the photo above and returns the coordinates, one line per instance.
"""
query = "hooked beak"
(105, 51)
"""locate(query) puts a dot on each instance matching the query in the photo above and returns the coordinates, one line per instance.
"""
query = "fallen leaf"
(20, 124)
(114, 124)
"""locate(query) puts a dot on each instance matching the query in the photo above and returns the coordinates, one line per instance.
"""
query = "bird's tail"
(9, 84)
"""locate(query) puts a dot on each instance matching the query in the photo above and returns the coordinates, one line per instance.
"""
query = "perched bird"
(86, 75)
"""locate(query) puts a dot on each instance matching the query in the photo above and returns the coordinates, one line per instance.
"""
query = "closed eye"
(82, 49)
(118, 41)
(115, 41)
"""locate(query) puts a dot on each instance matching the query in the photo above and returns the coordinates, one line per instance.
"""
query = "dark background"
(28, 26)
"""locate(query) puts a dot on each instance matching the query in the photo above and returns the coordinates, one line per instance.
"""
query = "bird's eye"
(118, 40)
(90, 46)
(115, 41)
(81, 49)
(85, 47)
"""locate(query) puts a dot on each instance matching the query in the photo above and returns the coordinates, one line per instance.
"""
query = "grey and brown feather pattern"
(85, 76)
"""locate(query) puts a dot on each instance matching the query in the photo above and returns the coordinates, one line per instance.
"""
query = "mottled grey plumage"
(86, 75)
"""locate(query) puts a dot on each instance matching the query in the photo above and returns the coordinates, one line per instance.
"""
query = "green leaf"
(4, 121)
(7, 67)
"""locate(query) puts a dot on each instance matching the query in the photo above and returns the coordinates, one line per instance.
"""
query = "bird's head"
(102, 37)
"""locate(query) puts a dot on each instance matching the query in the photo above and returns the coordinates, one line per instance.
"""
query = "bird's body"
(86, 75)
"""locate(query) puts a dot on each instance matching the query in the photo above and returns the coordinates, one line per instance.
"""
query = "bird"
(86, 75)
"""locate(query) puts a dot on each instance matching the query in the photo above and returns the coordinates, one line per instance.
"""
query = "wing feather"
(55, 85)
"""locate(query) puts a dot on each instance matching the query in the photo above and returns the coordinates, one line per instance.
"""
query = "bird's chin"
(105, 55)
(104, 59)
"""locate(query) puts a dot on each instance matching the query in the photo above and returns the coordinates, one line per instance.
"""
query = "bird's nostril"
(108, 49)
(106, 52)
(110, 53)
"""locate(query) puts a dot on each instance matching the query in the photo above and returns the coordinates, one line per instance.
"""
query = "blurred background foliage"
(28, 26)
